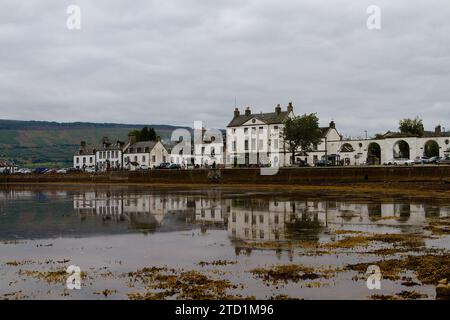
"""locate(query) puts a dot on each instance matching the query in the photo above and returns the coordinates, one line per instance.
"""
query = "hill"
(44, 143)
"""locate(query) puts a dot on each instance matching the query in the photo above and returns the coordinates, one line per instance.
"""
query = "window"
(253, 130)
(135, 159)
(233, 216)
(91, 159)
(153, 158)
(275, 128)
(234, 146)
(84, 160)
(246, 218)
(245, 130)
(143, 158)
(164, 158)
(261, 130)
(275, 144)
(261, 219)
(77, 160)
(234, 130)
(246, 145)
(253, 144)
(213, 152)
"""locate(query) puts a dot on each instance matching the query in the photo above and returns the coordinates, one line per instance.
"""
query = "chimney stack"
(236, 112)
(83, 144)
(290, 107)
(332, 125)
(278, 109)
(438, 131)
(132, 139)
(248, 111)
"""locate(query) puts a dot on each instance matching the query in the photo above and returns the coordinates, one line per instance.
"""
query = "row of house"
(255, 139)
(120, 155)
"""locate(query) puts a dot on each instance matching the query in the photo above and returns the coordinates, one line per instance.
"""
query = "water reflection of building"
(212, 210)
(270, 220)
(139, 210)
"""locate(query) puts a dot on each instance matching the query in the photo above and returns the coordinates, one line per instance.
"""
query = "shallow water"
(111, 231)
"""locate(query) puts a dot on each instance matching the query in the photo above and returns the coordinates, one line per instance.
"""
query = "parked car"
(302, 163)
(163, 165)
(23, 171)
(40, 170)
(73, 170)
(401, 162)
(445, 160)
(174, 166)
(52, 170)
(434, 160)
(89, 170)
(421, 160)
(323, 163)
(62, 170)
(144, 167)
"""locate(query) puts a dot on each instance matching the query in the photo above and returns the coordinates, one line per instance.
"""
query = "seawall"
(285, 176)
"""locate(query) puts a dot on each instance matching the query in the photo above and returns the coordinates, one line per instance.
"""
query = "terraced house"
(85, 157)
(144, 154)
(109, 155)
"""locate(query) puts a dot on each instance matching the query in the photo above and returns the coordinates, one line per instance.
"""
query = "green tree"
(145, 134)
(431, 149)
(301, 132)
(412, 127)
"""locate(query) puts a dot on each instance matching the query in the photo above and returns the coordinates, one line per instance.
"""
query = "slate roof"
(268, 118)
(6, 163)
(144, 146)
(87, 150)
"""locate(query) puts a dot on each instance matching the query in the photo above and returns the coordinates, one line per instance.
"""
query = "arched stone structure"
(401, 149)
(431, 148)
(373, 153)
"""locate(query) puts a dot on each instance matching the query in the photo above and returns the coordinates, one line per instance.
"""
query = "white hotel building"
(254, 138)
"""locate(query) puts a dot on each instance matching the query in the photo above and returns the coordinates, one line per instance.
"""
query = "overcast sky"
(176, 61)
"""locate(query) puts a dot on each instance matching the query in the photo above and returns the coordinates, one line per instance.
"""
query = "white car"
(62, 170)
(401, 162)
(23, 171)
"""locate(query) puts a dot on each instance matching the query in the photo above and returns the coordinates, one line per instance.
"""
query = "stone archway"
(401, 150)
(373, 154)
(431, 149)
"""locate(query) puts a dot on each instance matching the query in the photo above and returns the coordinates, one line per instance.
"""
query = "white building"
(85, 157)
(110, 155)
(145, 154)
(255, 138)
(7, 166)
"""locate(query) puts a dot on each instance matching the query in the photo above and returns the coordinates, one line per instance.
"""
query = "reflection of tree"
(374, 210)
(404, 211)
(431, 211)
(306, 227)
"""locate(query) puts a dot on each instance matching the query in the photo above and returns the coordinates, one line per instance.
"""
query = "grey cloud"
(176, 61)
